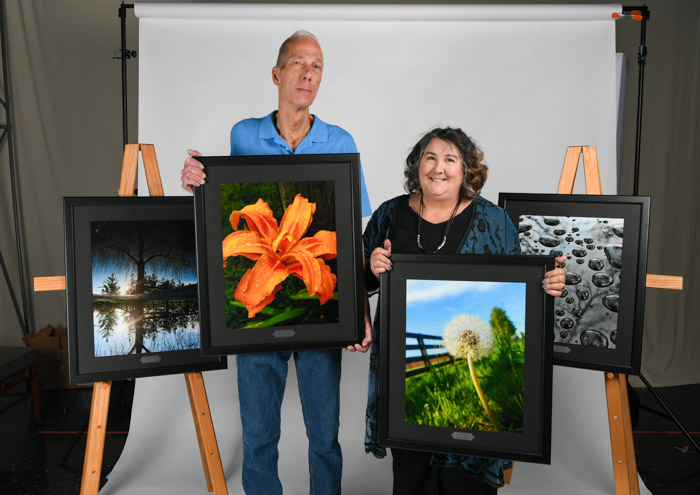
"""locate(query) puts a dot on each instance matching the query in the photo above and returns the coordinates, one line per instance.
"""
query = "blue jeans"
(261, 381)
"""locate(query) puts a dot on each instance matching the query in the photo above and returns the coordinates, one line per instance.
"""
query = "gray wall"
(66, 98)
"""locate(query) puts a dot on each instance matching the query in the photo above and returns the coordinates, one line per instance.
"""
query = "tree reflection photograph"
(465, 362)
(144, 287)
(132, 290)
(279, 250)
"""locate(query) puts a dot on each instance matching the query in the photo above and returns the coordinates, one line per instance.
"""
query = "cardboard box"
(53, 363)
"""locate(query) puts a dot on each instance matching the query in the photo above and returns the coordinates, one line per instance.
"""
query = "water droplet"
(524, 227)
(576, 312)
(566, 323)
(588, 240)
(596, 264)
(579, 242)
(559, 231)
(548, 241)
(580, 253)
(612, 302)
(563, 335)
(572, 278)
(551, 221)
(570, 300)
(574, 229)
(580, 261)
(590, 247)
(569, 239)
(556, 252)
(593, 338)
(619, 231)
(605, 221)
(602, 279)
(564, 292)
(599, 247)
(560, 312)
(613, 337)
(614, 255)
(526, 234)
(582, 293)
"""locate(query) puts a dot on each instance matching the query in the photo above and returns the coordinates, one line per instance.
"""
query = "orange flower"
(279, 252)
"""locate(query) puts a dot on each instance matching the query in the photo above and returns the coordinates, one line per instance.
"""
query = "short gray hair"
(284, 48)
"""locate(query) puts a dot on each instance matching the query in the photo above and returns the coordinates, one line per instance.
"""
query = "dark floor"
(38, 459)
(31, 456)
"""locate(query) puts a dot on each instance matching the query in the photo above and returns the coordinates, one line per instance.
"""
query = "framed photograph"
(466, 361)
(131, 287)
(279, 253)
(599, 319)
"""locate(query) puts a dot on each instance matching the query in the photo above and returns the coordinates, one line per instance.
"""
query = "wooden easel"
(621, 440)
(94, 450)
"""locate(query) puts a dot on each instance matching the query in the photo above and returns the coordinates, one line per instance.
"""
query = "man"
(291, 129)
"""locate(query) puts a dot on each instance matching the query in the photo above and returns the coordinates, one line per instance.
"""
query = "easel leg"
(208, 447)
(92, 466)
(621, 441)
(508, 474)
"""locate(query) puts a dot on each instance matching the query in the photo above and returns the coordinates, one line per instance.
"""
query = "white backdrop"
(524, 88)
(524, 81)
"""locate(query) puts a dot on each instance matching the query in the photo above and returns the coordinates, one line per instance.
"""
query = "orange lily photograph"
(279, 248)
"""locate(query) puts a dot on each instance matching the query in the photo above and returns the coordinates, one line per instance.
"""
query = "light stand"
(7, 135)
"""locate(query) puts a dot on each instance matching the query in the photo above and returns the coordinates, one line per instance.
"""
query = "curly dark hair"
(475, 171)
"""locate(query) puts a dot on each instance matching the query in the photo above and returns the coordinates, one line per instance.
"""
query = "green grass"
(446, 396)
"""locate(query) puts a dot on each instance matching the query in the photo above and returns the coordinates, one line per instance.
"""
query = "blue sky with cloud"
(430, 304)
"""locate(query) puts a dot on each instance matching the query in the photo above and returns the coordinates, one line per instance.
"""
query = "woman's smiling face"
(440, 171)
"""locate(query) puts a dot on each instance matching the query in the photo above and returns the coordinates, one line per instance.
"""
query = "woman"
(444, 214)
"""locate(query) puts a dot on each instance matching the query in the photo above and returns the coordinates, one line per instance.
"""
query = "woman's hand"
(380, 259)
(193, 172)
(553, 282)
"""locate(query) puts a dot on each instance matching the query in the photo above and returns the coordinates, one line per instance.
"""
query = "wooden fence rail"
(430, 361)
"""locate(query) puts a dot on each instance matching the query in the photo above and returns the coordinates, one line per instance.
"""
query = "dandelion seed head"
(467, 334)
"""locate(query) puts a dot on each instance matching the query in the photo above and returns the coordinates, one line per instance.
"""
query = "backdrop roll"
(524, 81)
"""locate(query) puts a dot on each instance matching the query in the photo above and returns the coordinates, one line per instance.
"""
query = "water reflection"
(137, 327)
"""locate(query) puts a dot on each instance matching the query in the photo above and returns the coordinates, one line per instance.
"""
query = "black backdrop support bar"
(641, 61)
(7, 133)
(125, 54)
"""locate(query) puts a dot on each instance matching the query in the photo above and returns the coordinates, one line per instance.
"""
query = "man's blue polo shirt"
(259, 137)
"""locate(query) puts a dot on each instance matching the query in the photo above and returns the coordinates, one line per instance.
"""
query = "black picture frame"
(521, 362)
(292, 314)
(599, 321)
(149, 325)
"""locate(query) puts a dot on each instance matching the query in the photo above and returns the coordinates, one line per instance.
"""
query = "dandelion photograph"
(599, 318)
(132, 288)
(279, 249)
(279, 254)
(465, 363)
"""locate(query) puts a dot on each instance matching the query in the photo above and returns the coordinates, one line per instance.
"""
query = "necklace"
(447, 227)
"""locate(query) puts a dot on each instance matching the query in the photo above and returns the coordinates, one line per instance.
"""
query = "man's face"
(300, 75)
